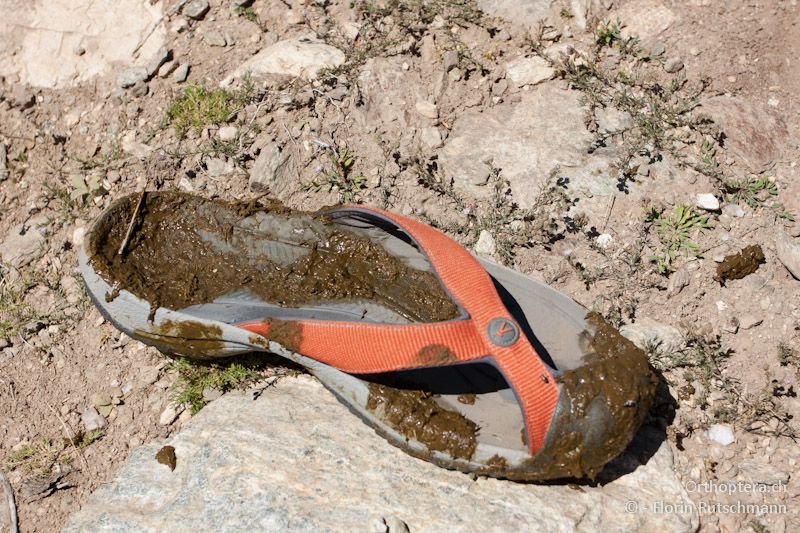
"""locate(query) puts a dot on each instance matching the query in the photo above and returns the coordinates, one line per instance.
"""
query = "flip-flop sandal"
(456, 360)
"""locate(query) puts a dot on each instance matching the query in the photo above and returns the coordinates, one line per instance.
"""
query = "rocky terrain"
(638, 155)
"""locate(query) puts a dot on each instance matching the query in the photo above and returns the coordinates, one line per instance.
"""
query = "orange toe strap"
(487, 330)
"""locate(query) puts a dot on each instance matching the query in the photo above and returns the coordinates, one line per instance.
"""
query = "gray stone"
(584, 12)
(22, 96)
(215, 38)
(758, 471)
(658, 49)
(526, 13)
(733, 210)
(218, 168)
(721, 434)
(750, 321)
(486, 244)
(273, 464)
(648, 333)
(450, 60)
(612, 120)
(22, 244)
(300, 57)
(73, 291)
(754, 133)
(159, 58)
(677, 281)
(427, 109)
(646, 19)
(387, 89)
(294, 17)
(134, 148)
(99, 399)
(430, 137)
(788, 250)
(673, 64)
(227, 133)
(181, 73)
(130, 76)
(707, 201)
(271, 170)
(544, 133)
(169, 414)
(3, 162)
(45, 34)
(166, 69)
(196, 9)
(604, 240)
(77, 236)
(92, 420)
(528, 71)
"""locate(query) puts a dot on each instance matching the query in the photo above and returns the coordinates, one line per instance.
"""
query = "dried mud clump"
(739, 265)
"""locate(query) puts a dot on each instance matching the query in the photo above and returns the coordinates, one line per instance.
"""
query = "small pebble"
(707, 201)
(486, 244)
(673, 64)
(92, 420)
(721, 434)
(427, 109)
(196, 9)
(604, 240)
(750, 321)
(733, 210)
(227, 133)
(169, 415)
(180, 74)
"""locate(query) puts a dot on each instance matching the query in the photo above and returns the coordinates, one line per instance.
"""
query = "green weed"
(196, 376)
(337, 175)
(198, 107)
(608, 33)
(788, 356)
(247, 13)
(675, 234)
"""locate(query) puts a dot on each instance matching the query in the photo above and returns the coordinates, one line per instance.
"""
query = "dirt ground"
(361, 132)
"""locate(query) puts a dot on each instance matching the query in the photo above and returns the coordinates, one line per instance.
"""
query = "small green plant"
(565, 13)
(756, 192)
(608, 32)
(14, 311)
(194, 377)
(675, 235)
(338, 175)
(788, 356)
(708, 158)
(247, 13)
(198, 107)
(39, 456)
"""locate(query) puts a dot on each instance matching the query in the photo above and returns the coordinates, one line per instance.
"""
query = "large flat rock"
(528, 141)
(296, 459)
(756, 134)
(57, 43)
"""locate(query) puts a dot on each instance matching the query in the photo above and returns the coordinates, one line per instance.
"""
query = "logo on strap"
(502, 331)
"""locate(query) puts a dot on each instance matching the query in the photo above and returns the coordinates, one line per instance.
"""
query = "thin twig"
(131, 224)
(608, 211)
(12, 507)
(71, 438)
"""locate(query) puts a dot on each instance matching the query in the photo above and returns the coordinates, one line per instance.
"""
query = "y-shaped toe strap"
(488, 330)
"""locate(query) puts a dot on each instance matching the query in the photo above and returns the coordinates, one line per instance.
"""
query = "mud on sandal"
(456, 360)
